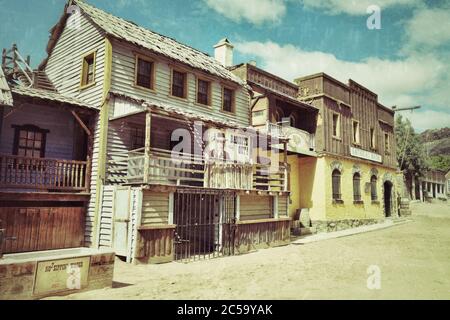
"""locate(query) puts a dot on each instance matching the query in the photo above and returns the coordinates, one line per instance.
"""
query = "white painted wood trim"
(138, 213)
(276, 213)
(238, 208)
(171, 205)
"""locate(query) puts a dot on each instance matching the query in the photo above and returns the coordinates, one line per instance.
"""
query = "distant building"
(433, 185)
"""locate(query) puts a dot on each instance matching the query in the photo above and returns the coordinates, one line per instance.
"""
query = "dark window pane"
(178, 84)
(373, 188)
(336, 184)
(144, 73)
(356, 187)
(203, 92)
(227, 100)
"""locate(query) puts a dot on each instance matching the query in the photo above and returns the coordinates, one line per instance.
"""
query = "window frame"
(233, 100)
(356, 135)
(373, 138)
(84, 70)
(185, 85)
(336, 194)
(153, 72)
(387, 143)
(29, 128)
(338, 125)
(374, 188)
(357, 194)
(134, 128)
(209, 97)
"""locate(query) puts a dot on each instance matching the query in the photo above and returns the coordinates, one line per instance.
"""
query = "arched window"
(357, 187)
(336, 184)
(373, 188)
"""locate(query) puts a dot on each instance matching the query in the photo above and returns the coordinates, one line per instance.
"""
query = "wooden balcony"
(166, 168)
(300, 141)
(43, 174)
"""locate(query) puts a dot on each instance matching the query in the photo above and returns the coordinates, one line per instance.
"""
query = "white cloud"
(355, 7)
(417, 79)
(429, 27)
(428, 119)
(253, 11)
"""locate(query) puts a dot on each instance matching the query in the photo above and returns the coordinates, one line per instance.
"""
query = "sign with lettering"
(61, 275)
(363, 154)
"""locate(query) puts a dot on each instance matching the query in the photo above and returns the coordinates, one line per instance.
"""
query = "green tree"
(440, 162)
(411, 155)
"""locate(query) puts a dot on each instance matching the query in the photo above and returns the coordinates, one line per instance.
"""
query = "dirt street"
(414, 260)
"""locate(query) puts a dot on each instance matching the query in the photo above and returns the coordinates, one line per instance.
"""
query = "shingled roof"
(47, 95)
(159, 44)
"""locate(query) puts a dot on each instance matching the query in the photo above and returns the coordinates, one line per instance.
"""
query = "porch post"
(286, 172)
(276, 213)
(238, 207)
(148, 127)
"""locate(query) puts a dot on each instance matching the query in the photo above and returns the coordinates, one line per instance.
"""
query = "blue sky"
(406, 62)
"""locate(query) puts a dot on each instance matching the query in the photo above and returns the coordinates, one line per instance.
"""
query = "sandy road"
(414, 260)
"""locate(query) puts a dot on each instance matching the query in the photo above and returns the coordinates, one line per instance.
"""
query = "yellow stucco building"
(341, 152)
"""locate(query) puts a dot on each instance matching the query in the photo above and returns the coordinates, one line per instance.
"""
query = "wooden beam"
(81, 123)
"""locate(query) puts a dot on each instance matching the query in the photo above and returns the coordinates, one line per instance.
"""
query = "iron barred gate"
(205, 221)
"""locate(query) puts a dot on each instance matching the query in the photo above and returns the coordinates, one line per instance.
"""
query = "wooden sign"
(57, 276)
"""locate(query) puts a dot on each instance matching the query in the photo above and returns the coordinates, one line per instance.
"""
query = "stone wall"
(338, 225)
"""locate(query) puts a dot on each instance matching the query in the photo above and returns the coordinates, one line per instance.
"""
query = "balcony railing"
(43, 174)
(180, 169)
(299, 140)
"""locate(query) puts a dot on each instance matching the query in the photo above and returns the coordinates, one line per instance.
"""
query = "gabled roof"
(159, 44)
(5, 92)
(47, 95)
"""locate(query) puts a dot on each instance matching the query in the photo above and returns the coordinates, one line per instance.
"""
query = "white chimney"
(223, 52)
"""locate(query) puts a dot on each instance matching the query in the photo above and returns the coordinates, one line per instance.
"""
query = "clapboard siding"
(255, 207)
(106, 217)
(283, 206)
(123, 71)
(155, 208)
(64, 65)
(60, 123)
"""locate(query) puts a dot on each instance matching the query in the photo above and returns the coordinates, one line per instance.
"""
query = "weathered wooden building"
(174, 171)
(353, 181)
(276, 110)
(45, 160)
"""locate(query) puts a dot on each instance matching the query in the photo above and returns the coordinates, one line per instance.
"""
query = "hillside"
(437, 144)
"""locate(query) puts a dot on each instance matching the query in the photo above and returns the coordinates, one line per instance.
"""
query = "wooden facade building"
(45, 163)
(150, 199)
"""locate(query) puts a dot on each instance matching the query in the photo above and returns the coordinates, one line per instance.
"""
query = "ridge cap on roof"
(148, 39)
(84, 3)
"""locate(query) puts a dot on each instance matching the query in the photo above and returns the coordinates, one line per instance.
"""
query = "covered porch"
(46, 143)
(228, 158)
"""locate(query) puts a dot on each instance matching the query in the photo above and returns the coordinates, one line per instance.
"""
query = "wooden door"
(122, 214)
(42, 228)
